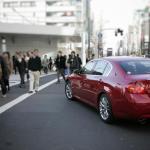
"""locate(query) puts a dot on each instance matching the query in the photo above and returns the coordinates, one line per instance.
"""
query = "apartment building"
(44, 12)
(53, 13)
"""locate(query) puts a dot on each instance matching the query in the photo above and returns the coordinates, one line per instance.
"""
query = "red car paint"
(88, 87)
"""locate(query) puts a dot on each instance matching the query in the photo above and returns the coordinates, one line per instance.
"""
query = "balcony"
(62, 8)
(63, 20)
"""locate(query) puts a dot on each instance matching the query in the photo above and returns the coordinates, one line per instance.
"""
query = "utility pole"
(84, 31)
(149, 34)
(88, 16)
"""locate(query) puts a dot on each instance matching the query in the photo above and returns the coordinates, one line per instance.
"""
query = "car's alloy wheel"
(105, 110)
(68, 91)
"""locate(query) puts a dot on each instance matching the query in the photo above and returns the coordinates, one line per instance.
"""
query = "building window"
(27, 4)
(10, 4)
(51, 24)
(50, 3)
(49, 14)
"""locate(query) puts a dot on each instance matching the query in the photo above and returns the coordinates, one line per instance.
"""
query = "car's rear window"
(136, 67)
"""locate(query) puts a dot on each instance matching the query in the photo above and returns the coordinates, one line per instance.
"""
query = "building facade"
(43, 12)
(53, 13)
(138, 37)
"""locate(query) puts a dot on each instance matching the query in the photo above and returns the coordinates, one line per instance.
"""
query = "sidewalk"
(15, 78)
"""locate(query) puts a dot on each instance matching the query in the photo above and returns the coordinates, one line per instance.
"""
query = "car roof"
(122, 58)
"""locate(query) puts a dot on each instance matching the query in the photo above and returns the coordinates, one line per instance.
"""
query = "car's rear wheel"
(105, 109)
(68, 91)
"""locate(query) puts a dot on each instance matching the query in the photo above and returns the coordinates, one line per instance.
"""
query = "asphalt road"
(47, 121)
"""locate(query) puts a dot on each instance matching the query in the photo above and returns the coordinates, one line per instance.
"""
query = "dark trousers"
(45, 69)
(6, 81)
(50, 66)
(60, 72)
(15, 69)
(3, 87)
(27, 75)
(22, 75)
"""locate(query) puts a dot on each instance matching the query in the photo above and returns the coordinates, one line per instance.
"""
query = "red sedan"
(119, 87)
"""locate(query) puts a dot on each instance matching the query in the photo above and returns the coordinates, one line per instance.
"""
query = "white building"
(59, 16)
(45, 12)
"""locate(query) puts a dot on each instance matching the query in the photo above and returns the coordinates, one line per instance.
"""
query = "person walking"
(9, 67)
(14, 59)
(50, 64)
(26, 58)
(3, 75)
(60, 66)
(79, 61)
(21, 64)
(73, 62)
(34, 66)
(45, 63)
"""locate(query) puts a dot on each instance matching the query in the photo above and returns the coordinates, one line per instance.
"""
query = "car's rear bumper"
(140, 106)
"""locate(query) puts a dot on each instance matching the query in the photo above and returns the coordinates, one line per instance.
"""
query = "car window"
(135, 67)
(100, 67)
(87, 69)
(107, 69)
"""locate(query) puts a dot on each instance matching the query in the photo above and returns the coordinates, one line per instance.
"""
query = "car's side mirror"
(77, 71)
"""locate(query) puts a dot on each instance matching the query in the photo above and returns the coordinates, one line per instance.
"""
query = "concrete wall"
(25, 43)
(14, 28)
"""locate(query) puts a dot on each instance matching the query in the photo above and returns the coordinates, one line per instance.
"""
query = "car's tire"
(68, 91)
(105, 109)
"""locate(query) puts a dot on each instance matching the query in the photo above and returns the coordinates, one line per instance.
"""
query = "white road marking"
(23, 97)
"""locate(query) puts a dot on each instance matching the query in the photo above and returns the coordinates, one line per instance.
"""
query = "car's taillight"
(136, 88)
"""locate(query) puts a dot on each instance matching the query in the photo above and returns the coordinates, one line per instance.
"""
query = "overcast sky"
(116, 13)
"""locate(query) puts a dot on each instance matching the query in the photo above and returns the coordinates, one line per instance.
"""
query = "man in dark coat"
(79, 61)
(3, 75)
(73, 62)
(21, 65)
(60, 66)
(34, 66)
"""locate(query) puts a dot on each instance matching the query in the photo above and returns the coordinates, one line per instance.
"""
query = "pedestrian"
(14, 59)
(9, 67)
(87, 60)
(50, 64)
(26, 58)
(93, 56)
(34, 66)
(3, 75)
(45, 63)
(60, 66)
(73, 62)
(21, 65)
(66, 67)
(79, 61)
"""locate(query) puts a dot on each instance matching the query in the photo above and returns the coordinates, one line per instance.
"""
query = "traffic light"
(119, 31)
(116, 33)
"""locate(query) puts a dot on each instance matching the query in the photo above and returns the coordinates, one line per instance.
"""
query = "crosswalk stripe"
(23, 97)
